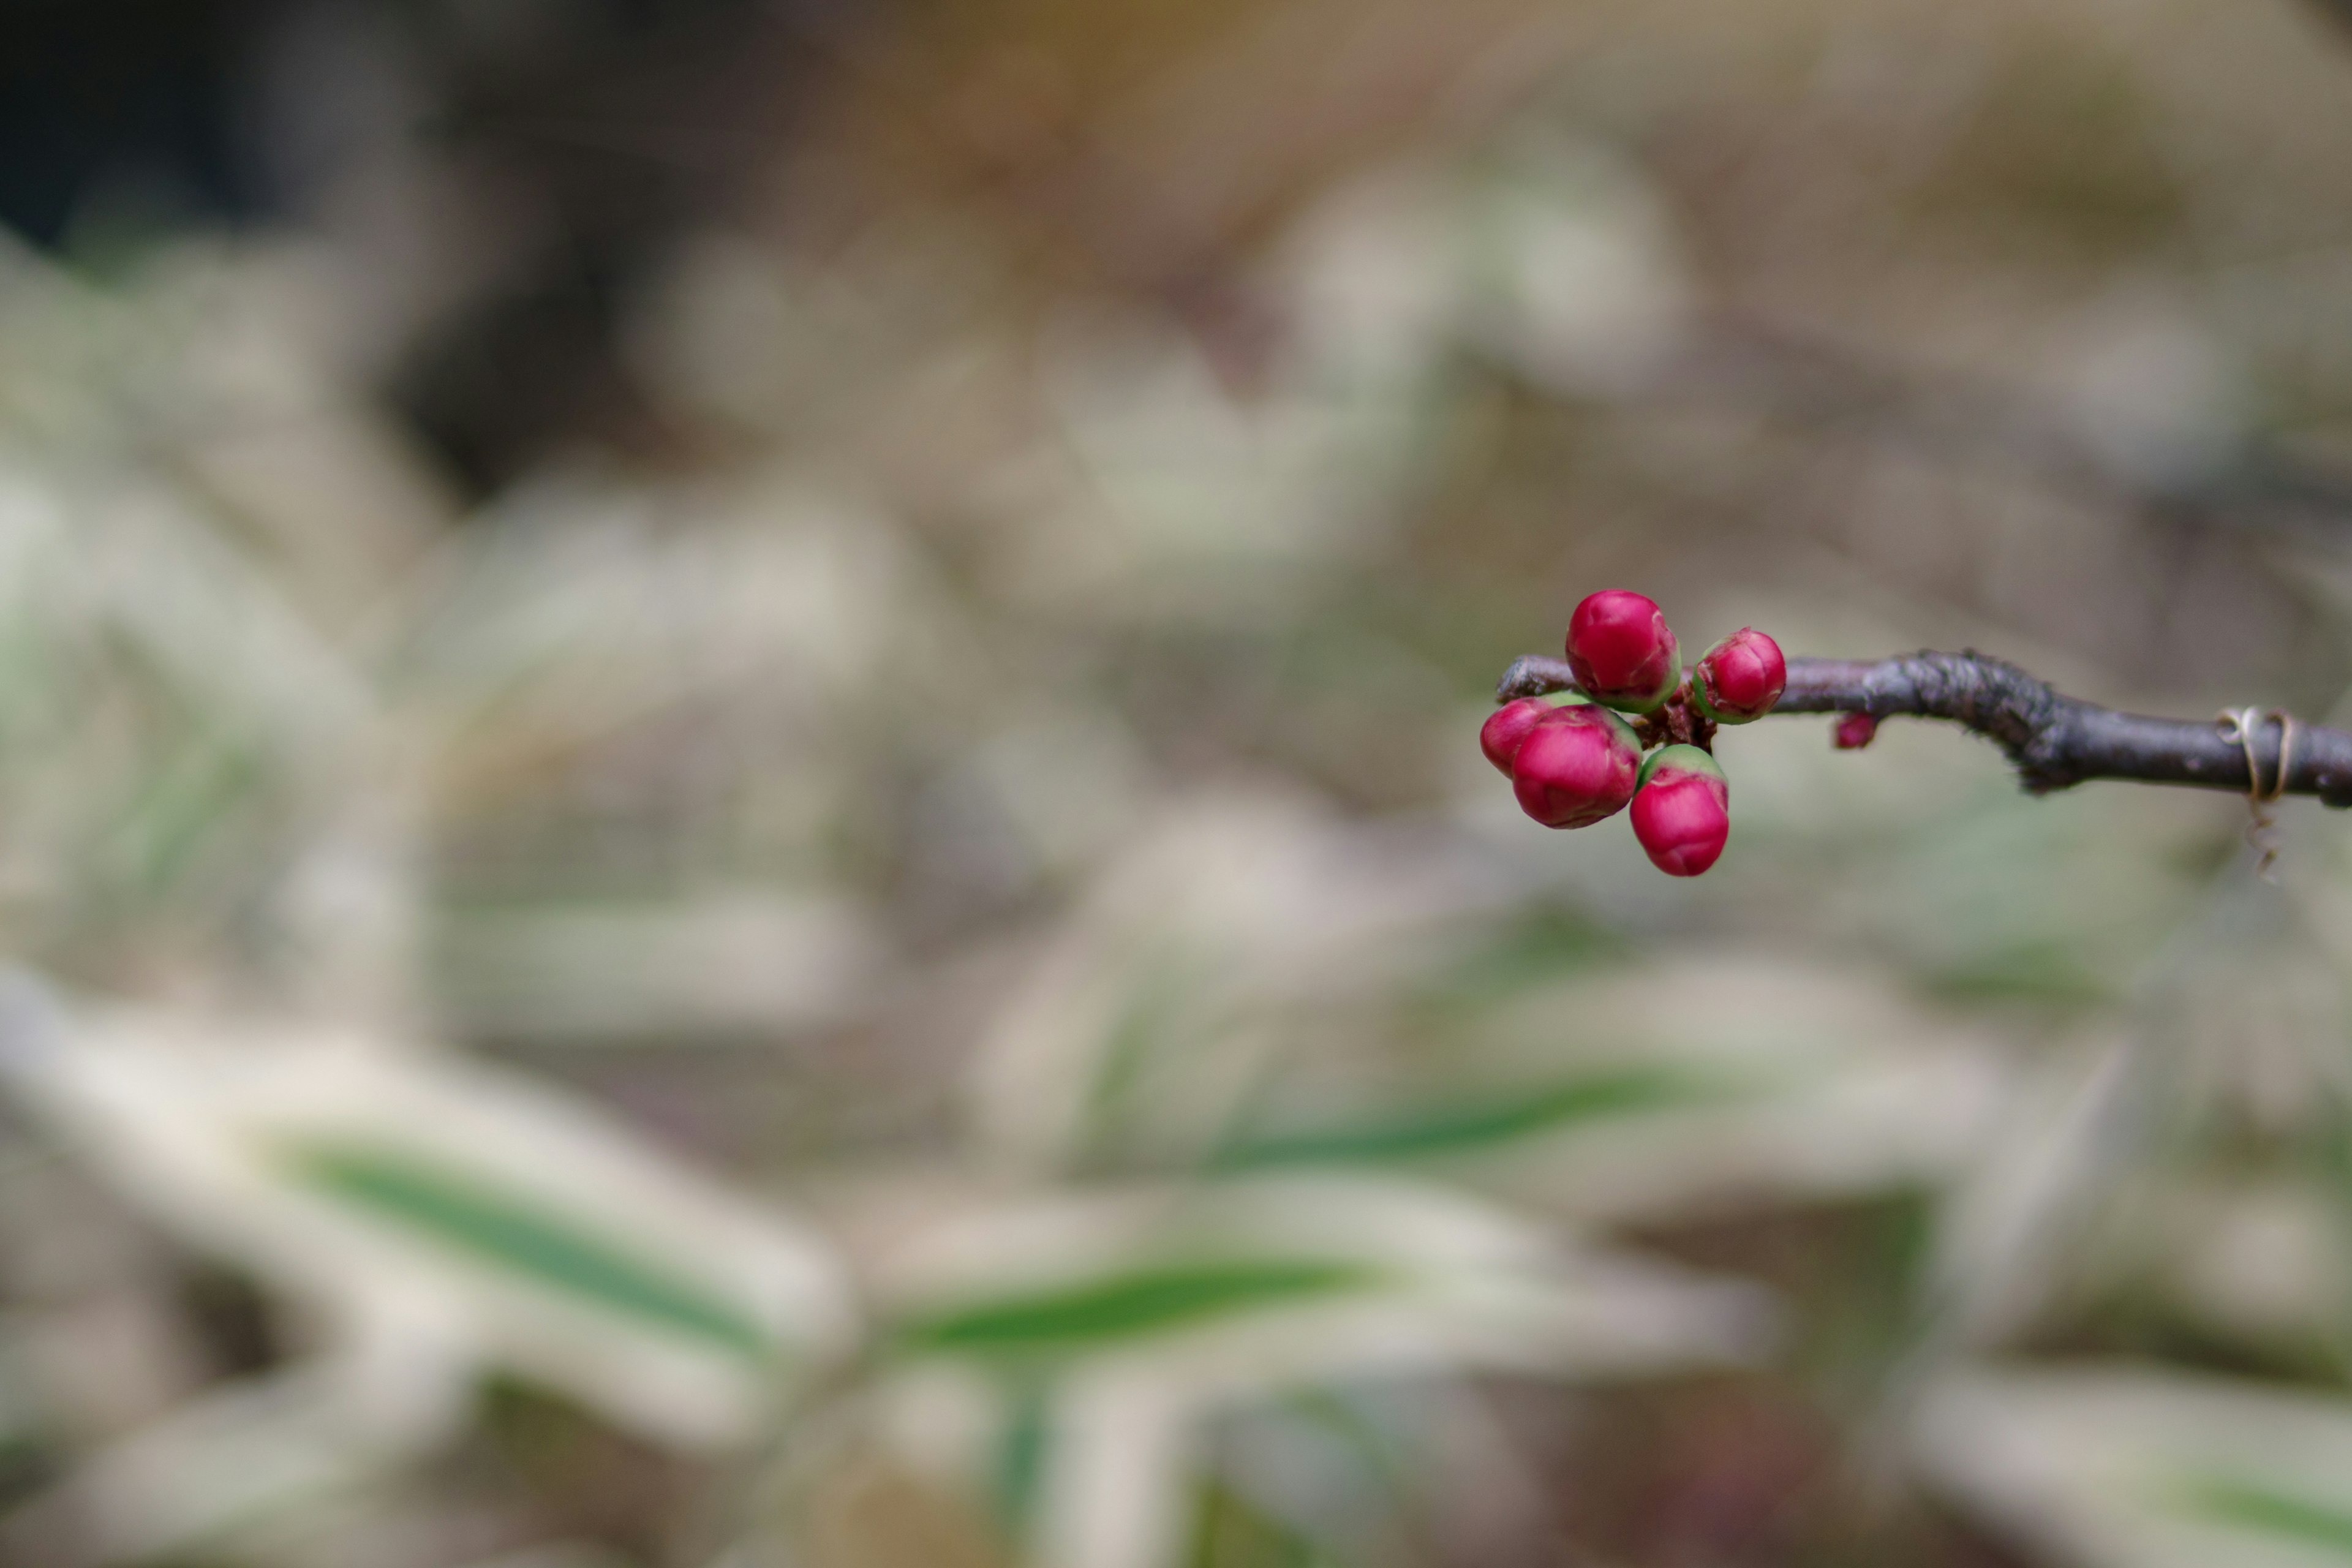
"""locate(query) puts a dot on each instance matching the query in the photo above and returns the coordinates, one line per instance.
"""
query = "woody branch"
(2054, 741)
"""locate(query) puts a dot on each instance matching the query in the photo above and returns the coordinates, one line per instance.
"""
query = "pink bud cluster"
(1573, 761)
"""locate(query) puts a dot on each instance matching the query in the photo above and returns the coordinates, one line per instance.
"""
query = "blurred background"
(740, 822)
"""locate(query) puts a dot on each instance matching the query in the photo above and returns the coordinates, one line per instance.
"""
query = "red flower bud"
(1622, 651)
(1682, 814)
(1740, 677)
(1576, 765)
(1506, 728)
(1854, 731)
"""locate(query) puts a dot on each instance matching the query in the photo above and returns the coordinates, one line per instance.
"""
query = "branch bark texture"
(2054, 741)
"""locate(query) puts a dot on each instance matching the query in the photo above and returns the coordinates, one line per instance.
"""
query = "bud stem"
(1677, 722)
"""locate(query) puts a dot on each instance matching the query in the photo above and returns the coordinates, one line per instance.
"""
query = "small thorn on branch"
(2053, 740)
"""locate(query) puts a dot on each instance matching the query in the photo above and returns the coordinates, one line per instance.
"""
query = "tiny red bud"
(1854, 731)
(1506, 728)
(1682, 814)
(1621, 650)
(1576, 766)
(1740, 677)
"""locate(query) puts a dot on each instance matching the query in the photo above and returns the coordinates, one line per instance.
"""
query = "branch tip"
(2053, 740)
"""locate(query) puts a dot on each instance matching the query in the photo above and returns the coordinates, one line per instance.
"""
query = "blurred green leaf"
(1538, 948)
(1231, 1532)
(1166, 992)
(183, 803)
(511, 1232)
(2267, 1511)
(1474, 1125)
(1022, 1455)
(1133, 1305)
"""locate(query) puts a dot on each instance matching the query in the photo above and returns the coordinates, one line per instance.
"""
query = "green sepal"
(1674, 683)
(1626, 732)
(1690, 758)
(1698, 701)
(1569, 699)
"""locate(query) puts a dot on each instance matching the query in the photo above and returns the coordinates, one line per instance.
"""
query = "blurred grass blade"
(2267, 1510)
(1134, 1305)
(1229, 1528)
(1023, 1453)
(508, 1231)
(2145, 1467)
(501, 1224)
(1473, 1126)
(188, 800)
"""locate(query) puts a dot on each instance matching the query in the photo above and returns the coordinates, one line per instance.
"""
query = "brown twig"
(2054, 741)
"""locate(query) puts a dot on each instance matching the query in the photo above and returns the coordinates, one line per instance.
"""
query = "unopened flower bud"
(1622, 651)
(1682, 812)
(1854, 731)
(1507, 726)
(1576, 765)
(1740, 677)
